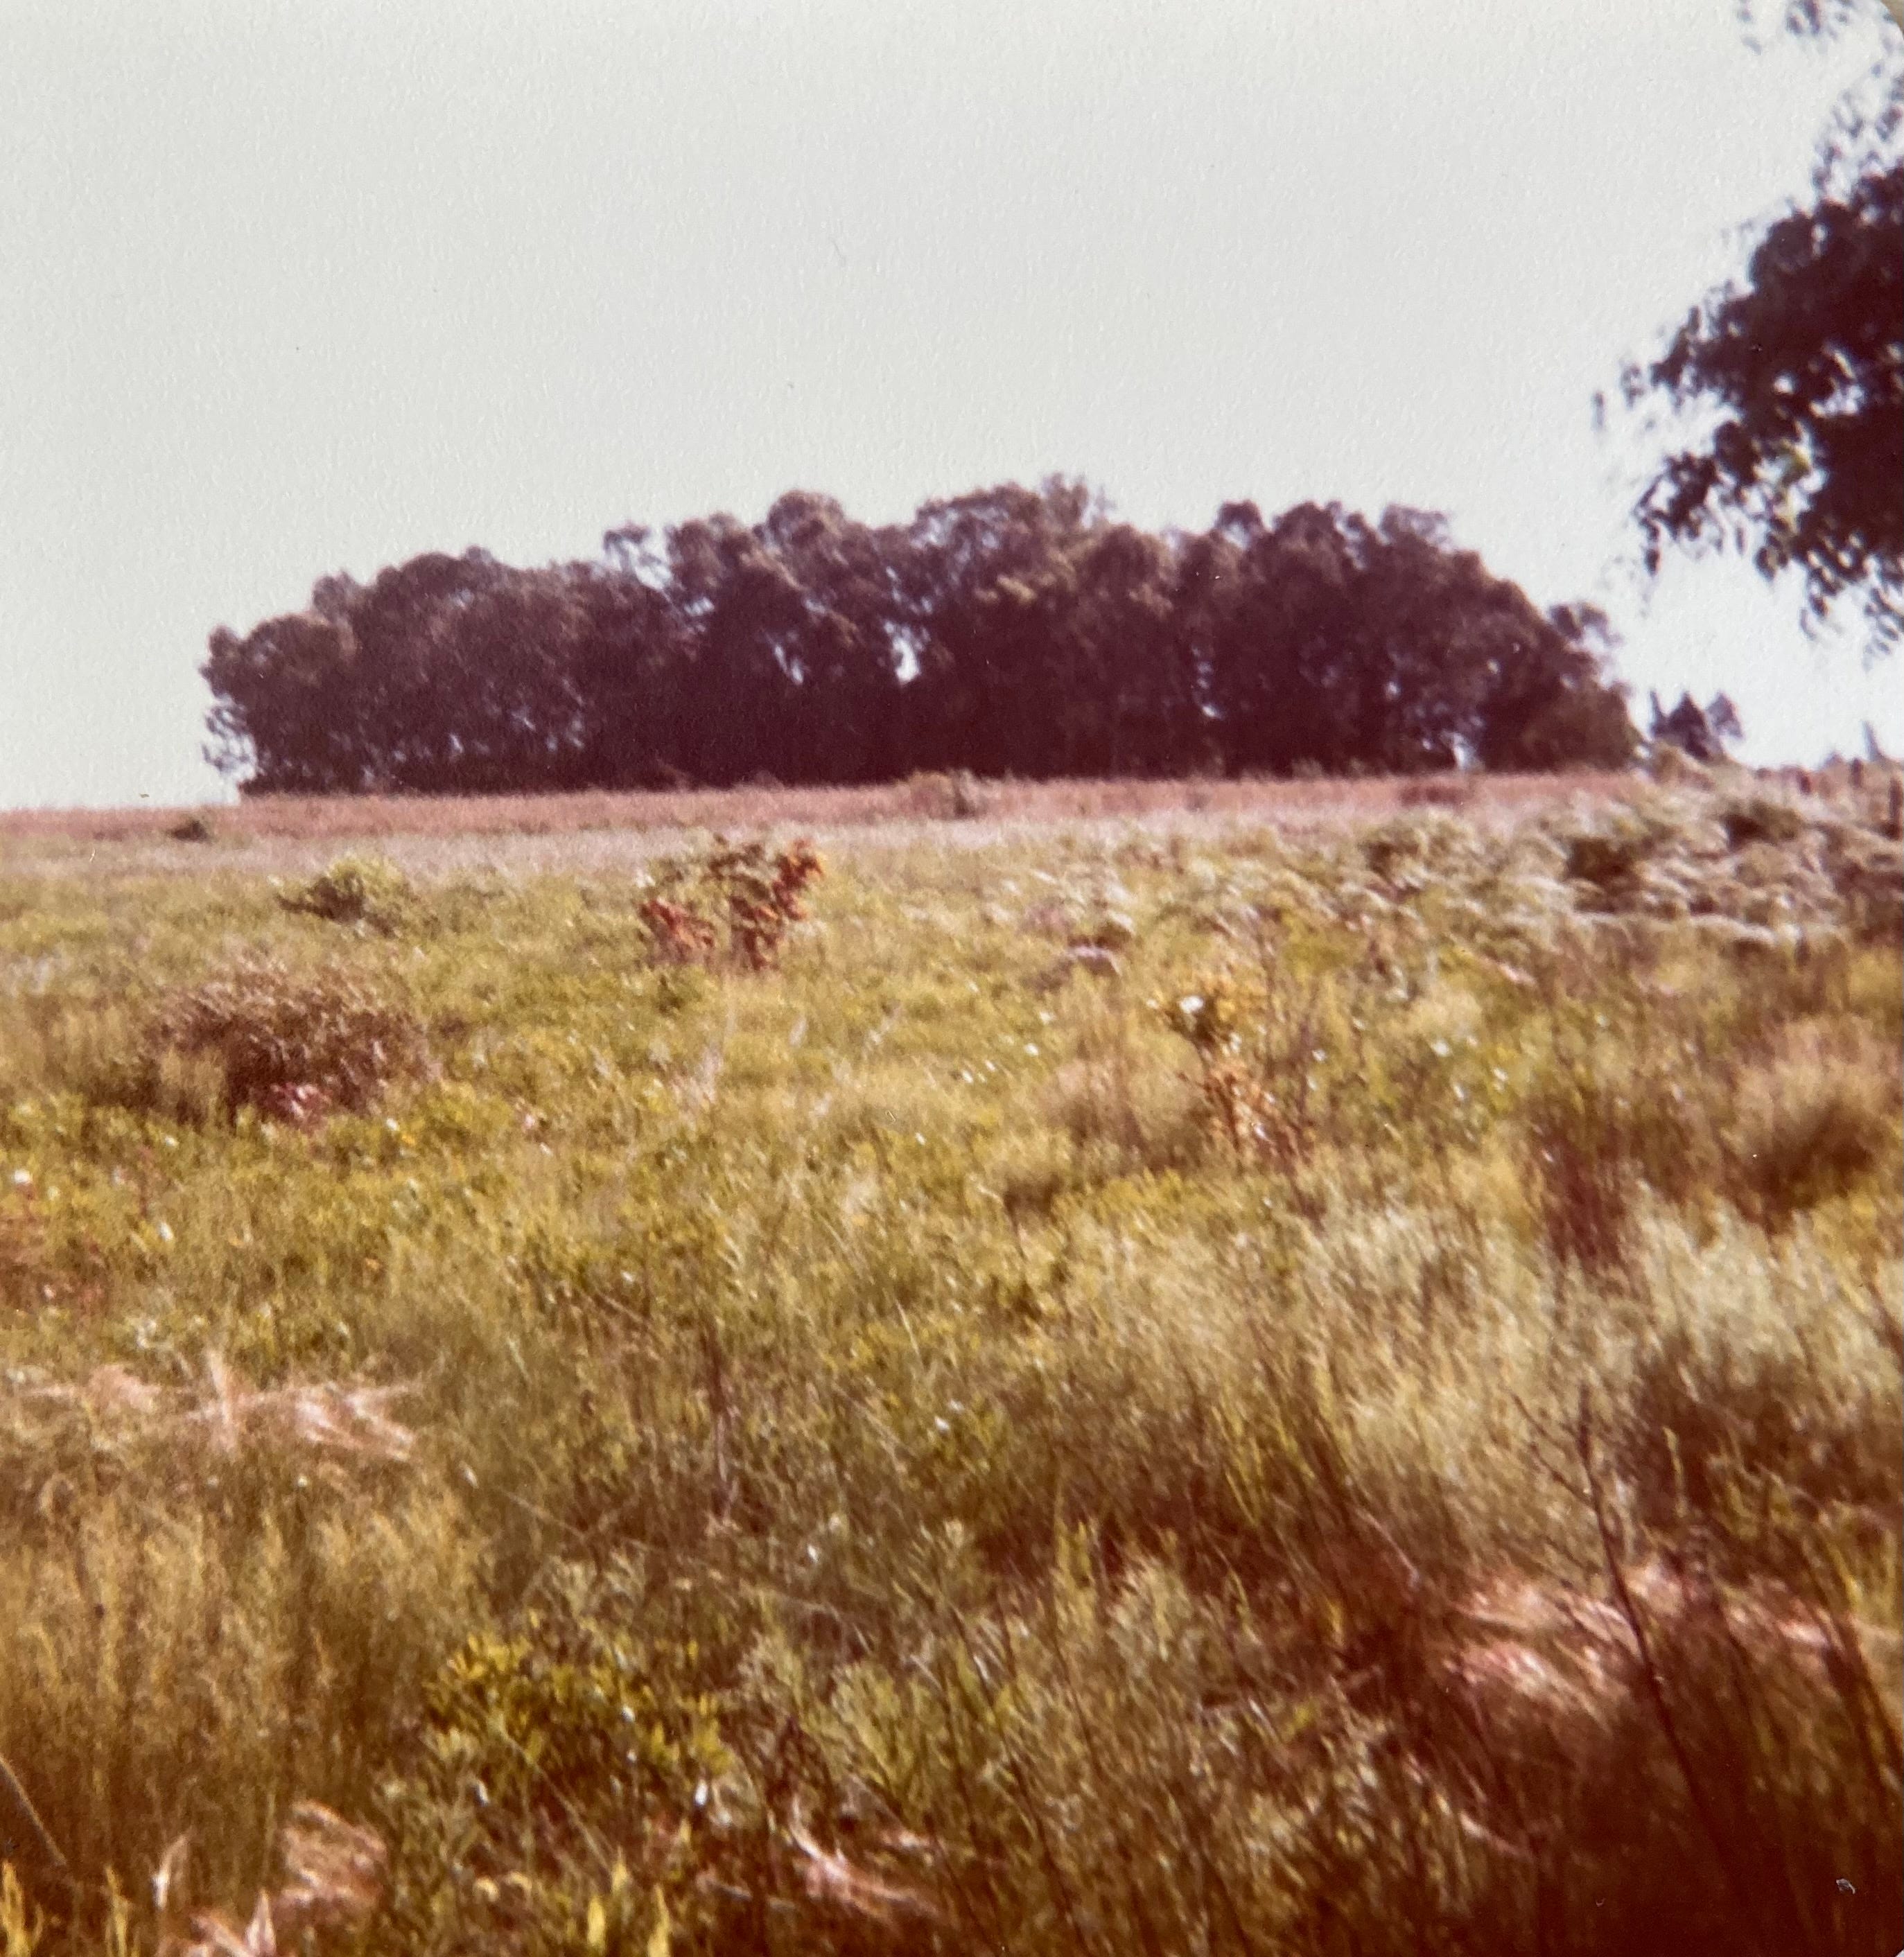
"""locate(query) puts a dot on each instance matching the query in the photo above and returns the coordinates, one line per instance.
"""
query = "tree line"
(1010, 631)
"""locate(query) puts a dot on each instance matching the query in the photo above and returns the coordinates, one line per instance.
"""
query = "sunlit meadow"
(1151, 1380)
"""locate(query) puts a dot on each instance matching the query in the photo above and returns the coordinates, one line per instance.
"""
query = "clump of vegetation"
(365, 890)
(526, 1737)
(955, 796)
(1867, 870)
(1760, 818)
(1812, 1123)
(1672, 767)
(288, 1045)
(1610, 858)
(733, 906)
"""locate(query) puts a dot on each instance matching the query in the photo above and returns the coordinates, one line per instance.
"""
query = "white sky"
(286, 289)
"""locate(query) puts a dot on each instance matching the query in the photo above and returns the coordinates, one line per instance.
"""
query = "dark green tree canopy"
(1802, 367)
(1792, 377)
(1008, 631)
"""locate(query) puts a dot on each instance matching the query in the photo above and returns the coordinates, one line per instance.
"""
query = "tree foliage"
(1702, 732)
(1008, 631)
(1793, 376)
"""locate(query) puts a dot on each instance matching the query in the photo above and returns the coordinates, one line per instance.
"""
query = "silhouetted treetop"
(1791, 376)
(1801, 367)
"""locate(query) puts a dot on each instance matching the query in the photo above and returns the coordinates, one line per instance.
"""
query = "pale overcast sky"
(288, 290)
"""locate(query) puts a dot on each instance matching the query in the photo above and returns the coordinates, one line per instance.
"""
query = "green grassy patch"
(1115, 1391)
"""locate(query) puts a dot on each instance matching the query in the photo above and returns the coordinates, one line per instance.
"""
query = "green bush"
(365, 890)
(529, 1742)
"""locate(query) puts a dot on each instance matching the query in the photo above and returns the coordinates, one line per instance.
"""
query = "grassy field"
(420, 819)
(1298, 1374)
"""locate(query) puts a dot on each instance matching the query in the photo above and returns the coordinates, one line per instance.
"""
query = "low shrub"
(357, 889)
(956, 797)
(526, 1739)
(1608, 859)
(1671, 767)
(288, 1045)
(1760, 818)
(733, 907)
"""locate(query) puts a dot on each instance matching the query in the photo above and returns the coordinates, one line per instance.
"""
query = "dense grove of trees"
(1009, 631)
